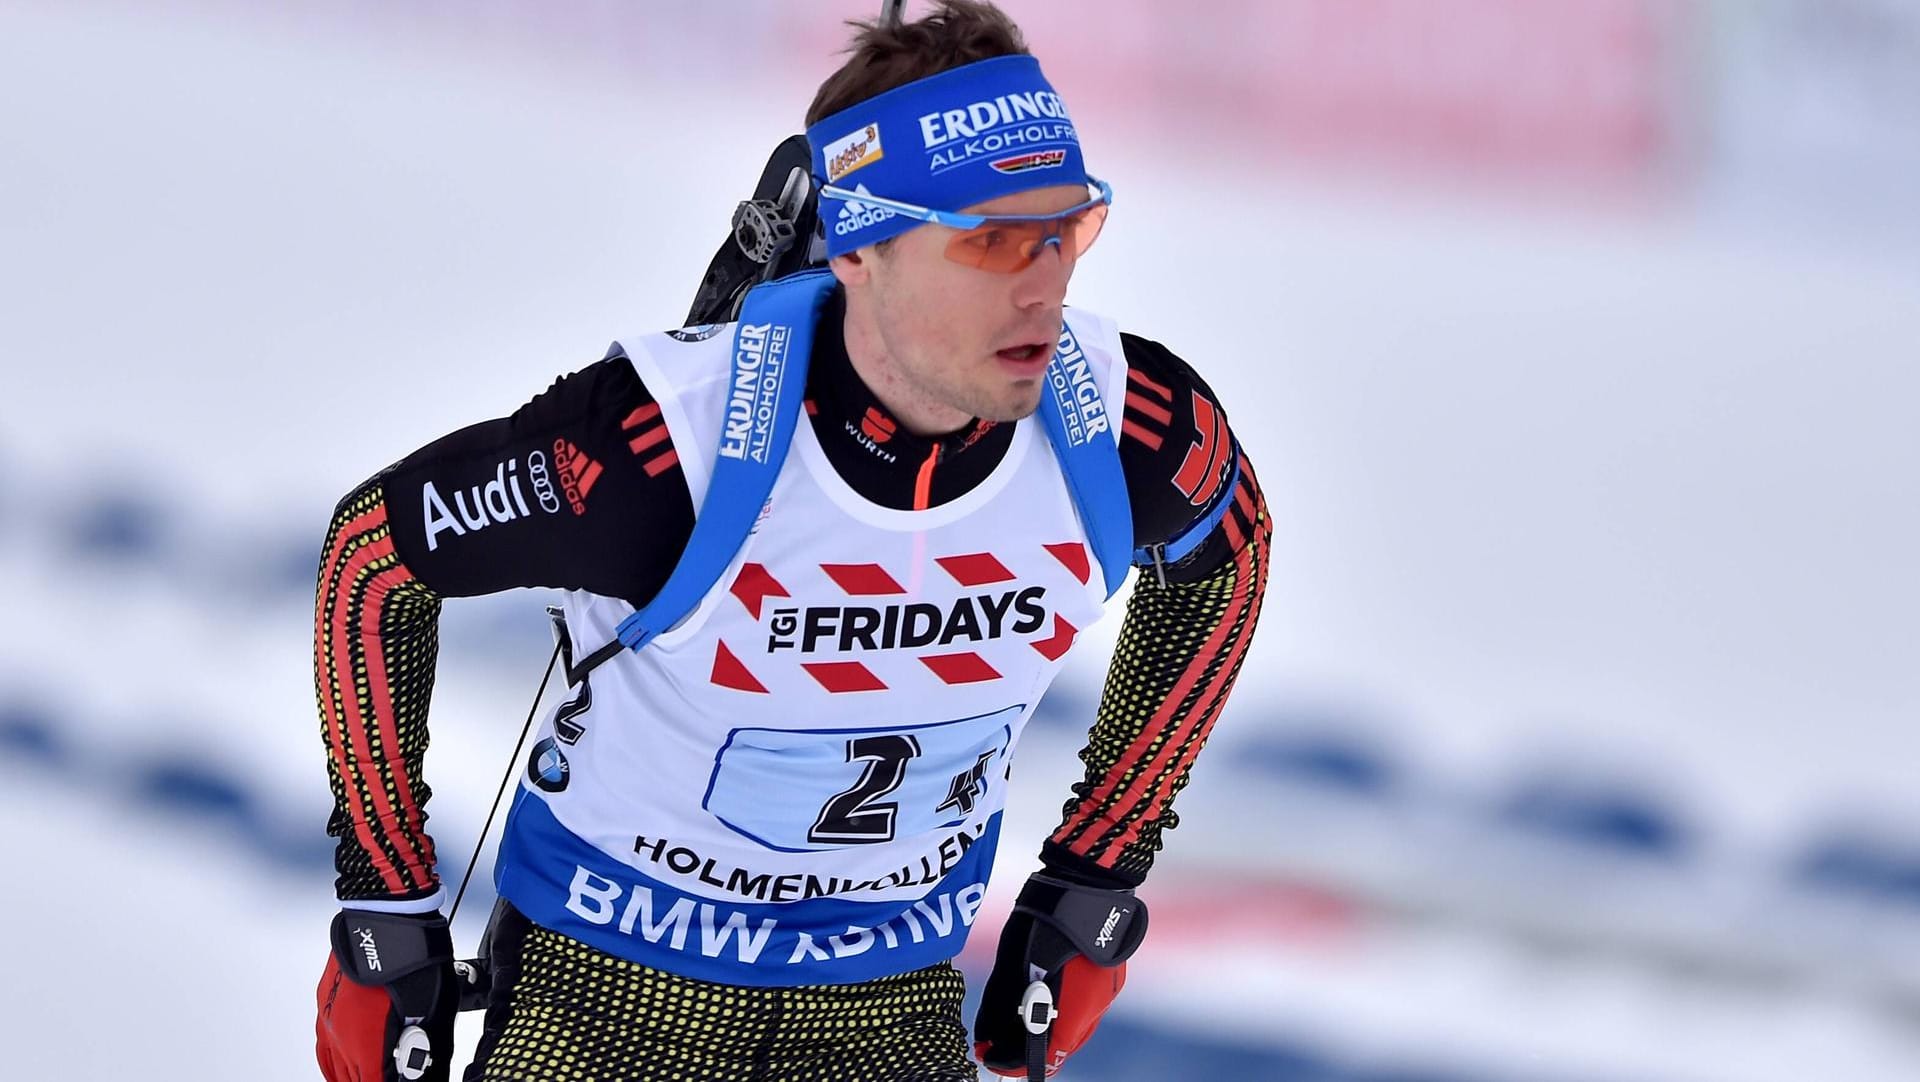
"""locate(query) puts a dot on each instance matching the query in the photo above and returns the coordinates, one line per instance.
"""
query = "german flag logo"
(1022, 163)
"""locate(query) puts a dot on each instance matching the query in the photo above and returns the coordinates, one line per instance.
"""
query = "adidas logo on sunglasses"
(854, 216)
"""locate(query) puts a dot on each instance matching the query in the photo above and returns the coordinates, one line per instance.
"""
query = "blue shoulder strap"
(771, 345)
(1077, 422)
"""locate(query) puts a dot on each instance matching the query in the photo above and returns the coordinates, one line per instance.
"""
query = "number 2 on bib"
(856, 817)
(808, 790)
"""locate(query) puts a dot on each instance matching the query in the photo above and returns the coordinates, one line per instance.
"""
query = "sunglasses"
(1004, 243)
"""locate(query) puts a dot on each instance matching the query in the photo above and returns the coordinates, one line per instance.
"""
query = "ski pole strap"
(1037, 1012)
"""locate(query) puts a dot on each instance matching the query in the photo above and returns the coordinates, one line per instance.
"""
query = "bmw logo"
(696, 334)
(548, 769)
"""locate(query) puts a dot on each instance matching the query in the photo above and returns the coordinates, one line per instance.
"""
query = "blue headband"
(964, 136)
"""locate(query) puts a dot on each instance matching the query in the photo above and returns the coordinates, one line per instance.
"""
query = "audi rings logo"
(542, 482)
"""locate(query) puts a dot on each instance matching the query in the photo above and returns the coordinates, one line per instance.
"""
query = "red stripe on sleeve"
(1149, 407)
(1100, 798)
(337, 744)
(1099, 812)
(355, 725)
(329, 640)
(1161, 389)
(1138, 431)
(1188, 748)
(641, 415)
(647, 439)
(377, 590)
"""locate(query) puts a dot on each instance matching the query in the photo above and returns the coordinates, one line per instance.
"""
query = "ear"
(852, 269)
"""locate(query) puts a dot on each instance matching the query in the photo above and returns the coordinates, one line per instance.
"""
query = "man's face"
(971, 340)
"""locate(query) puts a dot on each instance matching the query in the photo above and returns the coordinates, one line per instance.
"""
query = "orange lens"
(1008, 247)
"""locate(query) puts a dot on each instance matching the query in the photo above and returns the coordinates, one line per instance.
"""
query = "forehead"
(1046, 200)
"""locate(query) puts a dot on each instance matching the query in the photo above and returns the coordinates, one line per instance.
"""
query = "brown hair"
(954, 34)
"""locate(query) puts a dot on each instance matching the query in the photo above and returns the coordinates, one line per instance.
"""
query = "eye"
(987, 239)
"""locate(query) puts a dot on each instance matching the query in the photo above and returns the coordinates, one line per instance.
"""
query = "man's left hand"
(1062, 960)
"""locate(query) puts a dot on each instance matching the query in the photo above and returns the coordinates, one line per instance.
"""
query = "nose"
(1044, 281)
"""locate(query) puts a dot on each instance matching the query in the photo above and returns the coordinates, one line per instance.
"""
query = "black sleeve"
(1184, 640)
(1178, 454)
(580, 489)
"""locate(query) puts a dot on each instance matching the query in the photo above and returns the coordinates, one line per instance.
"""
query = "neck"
(874, 364)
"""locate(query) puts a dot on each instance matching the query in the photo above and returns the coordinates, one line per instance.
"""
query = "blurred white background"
(1575, 342)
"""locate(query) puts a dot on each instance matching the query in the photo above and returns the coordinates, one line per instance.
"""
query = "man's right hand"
(387, 999)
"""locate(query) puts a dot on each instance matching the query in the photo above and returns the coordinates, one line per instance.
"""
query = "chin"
(1019, 406)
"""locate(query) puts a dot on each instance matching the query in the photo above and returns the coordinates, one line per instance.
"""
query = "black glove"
(387, 999)
(1062, 960)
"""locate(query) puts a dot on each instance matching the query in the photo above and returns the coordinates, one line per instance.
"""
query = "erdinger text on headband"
(956, 139)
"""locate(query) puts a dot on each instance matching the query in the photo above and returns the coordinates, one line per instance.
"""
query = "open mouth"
(1029, 352)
